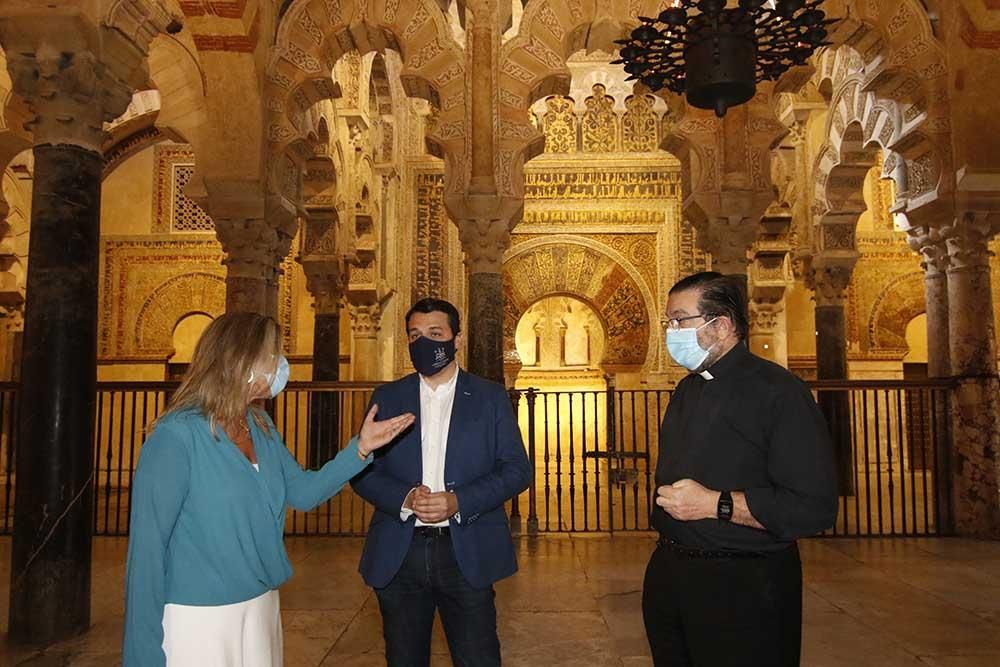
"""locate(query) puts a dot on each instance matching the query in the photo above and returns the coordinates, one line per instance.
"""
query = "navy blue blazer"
(485, 464)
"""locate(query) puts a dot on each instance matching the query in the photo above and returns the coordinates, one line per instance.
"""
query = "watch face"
(725, 509)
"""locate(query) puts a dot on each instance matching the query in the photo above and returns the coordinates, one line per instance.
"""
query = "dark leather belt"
(695, 552)
(432, 531)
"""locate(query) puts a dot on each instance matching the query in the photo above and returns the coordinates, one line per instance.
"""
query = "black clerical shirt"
(753, 427)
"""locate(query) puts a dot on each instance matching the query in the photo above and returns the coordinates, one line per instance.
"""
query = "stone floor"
(576, 600)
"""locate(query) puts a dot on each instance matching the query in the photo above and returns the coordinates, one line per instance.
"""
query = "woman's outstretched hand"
(376, 434)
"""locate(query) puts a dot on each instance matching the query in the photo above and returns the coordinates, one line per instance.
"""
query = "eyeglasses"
(675, 323)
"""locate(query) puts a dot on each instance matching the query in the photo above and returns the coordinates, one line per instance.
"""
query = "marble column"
(934, 253)
(830, 282)
(975, 425)
(484, 242)
(71, 95)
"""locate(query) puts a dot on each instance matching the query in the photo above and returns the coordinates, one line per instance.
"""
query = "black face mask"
(430, 357)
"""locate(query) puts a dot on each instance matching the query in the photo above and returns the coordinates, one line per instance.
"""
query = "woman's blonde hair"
(234, 348)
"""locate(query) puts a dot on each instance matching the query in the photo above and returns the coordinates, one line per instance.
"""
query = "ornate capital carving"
(325, 280)
(764, 316)
(484, 242)
(71, 94)
(254, 248)
(729, 240)
(967, 240)
(366, 319)
(830, 280)
(932, 248)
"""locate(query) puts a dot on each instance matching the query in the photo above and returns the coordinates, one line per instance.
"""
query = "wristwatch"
(725, 510)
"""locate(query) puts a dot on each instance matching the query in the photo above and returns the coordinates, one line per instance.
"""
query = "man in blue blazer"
(439, 537)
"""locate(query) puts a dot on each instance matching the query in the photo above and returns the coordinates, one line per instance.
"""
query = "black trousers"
(431, 580)
(723, 612)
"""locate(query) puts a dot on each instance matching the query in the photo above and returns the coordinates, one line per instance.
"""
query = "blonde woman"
(206, 552)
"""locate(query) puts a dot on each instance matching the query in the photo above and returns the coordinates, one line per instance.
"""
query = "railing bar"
(646, 446)
(635, 466)
(923, 454)
(559, 514)
(620, 423)
(583, 459)
(857, 482)
(572, 465)
(9, 426)
(868, 488)
(548, 513)
(903, 459)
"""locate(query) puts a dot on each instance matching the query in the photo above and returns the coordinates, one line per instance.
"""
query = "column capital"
(932, 248)
(326, 280)
(729, 239)
(484, 225)
(829, 280)
(967, 240)
(73, 74)
(366, 318)
(254, 248)
(764, 315)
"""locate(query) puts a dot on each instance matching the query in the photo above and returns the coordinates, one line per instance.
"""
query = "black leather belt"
(432, 531)
(695, 552)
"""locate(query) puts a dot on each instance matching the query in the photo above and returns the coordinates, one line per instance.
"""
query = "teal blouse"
(208, 529)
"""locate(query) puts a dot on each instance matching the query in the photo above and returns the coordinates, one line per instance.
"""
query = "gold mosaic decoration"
(149, 284)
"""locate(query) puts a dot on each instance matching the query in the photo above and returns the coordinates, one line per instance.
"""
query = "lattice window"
(186, 216)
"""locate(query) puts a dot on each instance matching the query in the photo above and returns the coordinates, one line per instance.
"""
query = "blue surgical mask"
(683, 346)
(279, 379)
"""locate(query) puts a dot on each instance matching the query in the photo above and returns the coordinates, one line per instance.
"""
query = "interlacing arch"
(315, 34)
(900, 63)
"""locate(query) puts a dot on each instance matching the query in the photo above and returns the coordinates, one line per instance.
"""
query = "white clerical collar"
(706, 375)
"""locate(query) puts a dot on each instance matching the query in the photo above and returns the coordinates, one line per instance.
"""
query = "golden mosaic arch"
(591, 272)
(901, 300)
(172, 301)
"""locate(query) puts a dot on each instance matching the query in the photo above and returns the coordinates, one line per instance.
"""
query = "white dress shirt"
(435, 421)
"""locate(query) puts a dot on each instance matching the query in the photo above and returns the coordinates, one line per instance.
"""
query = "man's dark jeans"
(430, 580)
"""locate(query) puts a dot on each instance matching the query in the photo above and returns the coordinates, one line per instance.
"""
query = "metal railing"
(593, 454)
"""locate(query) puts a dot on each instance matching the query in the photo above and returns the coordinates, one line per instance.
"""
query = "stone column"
(484, 242)
(325, 281)
(255, 249)
(765, 323)
(830, 281)
(975, 423)
(365, 324)
(934, 252)
(729, 239)
(769, 278)
(71, 94)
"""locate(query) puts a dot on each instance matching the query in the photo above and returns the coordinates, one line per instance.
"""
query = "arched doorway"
(186, 334)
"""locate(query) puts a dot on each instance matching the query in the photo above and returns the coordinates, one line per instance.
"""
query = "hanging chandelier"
(716, 54)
